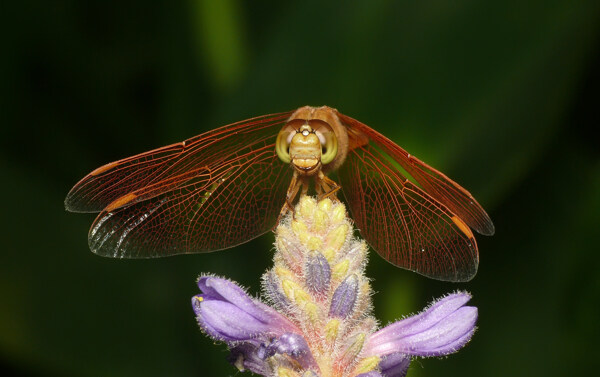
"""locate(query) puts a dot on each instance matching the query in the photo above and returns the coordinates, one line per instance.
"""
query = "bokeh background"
(502, 96)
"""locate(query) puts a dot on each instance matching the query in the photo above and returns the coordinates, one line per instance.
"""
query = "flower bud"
(353, 348)
(344, 297)
(272, 288)
(318, 273)
(368, 364)
(341, 269)
(331, 330)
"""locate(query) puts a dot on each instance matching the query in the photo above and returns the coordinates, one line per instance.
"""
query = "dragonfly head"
(307, 145)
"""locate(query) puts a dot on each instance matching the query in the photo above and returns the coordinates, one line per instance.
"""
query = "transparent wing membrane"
(210, 192)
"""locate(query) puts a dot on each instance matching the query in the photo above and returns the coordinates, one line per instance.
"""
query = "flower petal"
(225, 321)
(244, 357)
(227, 313)
(395, 365)
(441, 329)
(225, 290)
(446, 336)
(295, 346)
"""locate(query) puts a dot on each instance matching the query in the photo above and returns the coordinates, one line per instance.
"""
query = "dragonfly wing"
(209, 212)
(162, 169)
(211, 192)
(435, 183)
(405, 225)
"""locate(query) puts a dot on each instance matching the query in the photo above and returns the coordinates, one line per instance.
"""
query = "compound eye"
(329, 146)
(282, 144)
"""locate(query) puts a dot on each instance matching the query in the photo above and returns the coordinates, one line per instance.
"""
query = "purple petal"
(244, 357)
(253, 355)
(225, 321)
(395, 365)
(445, 340)
(431, 315)
(295, 346)
(227, 313)
(441, 329)
(344, 297)
(225, 290)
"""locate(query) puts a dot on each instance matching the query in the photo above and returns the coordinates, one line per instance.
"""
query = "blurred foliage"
(498, 95)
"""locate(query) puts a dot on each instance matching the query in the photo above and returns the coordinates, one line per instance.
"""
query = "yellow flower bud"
(314, 243)
(353, 348)
(340, 269)
(294, 292)
(285, 372)
(325, 205)
(337, 237)
(307, 206)
(331, 330)
(368, 364)
(319, 221)
(339, 214)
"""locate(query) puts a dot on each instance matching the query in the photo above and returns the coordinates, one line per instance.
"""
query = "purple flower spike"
(344, 297)
(319, 320)
(442, 329)
(227, 313)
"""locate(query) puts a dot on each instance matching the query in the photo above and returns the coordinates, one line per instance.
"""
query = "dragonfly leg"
(326, 187)
(292, 192)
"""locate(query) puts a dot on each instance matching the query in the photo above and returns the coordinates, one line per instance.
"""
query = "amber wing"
(423, 229)
(211, 192)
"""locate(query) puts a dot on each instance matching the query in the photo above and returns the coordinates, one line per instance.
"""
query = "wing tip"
(67, 205)
(78, 203)
(466, 278)
(74, 206)
(487, 228)
(71, 205)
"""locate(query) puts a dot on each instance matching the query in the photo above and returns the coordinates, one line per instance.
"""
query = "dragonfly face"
(305, 151)
(310, 140)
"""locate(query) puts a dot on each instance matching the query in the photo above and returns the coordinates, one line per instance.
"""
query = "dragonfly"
(232, 184)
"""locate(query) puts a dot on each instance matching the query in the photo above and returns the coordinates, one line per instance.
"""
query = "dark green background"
(498, 95)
